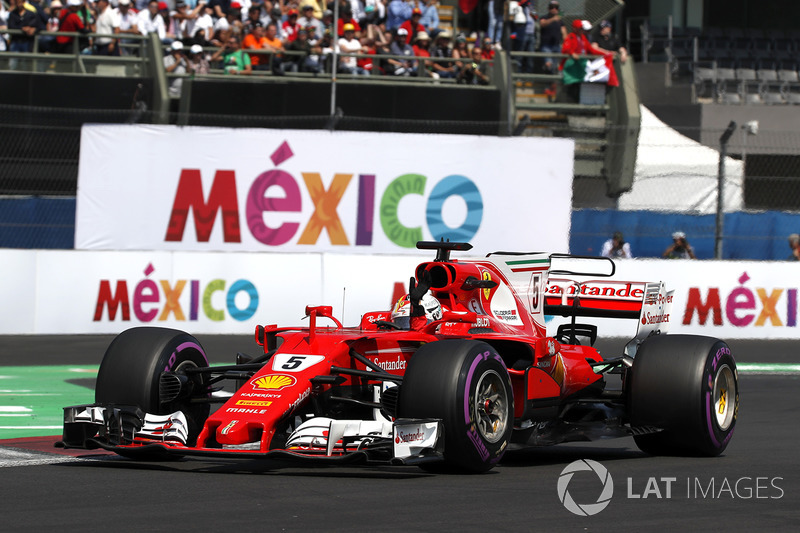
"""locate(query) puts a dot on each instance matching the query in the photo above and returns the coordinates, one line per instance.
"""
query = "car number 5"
(289, 362)
(293, 362)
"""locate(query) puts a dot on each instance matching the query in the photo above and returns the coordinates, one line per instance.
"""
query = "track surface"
(755, 484)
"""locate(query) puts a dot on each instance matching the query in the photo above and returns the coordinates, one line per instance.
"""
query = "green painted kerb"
(32, 398)
(768, 368)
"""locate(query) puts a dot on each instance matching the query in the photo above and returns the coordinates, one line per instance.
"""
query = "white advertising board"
(17, 291)
(259, 190)
(106, 292)
(78, 292)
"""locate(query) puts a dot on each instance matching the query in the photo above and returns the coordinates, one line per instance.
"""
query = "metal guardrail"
(77, 61)
(423, 75)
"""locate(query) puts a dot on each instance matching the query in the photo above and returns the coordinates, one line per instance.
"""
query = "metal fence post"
(334, 62)
(723, 153)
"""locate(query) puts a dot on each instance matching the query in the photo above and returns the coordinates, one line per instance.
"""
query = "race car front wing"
(130, 431)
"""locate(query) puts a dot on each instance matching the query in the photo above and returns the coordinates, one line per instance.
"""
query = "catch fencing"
(676, 174)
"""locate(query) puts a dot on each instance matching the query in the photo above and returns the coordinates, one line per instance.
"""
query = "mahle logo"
(585, 509)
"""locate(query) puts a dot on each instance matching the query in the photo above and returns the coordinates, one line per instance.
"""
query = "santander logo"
(417, 436)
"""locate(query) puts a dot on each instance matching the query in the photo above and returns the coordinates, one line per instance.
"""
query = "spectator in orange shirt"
(273, 43)
(273, 40)
(256, 40)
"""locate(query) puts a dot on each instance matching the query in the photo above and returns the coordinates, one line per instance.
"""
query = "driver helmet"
(402, 310)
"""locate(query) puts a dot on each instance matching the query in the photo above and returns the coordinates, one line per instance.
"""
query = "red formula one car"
(460, 371)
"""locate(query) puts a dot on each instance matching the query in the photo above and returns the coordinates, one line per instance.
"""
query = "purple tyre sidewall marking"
(472, 434)
(709, 377)
(181, 347)
(189, 345)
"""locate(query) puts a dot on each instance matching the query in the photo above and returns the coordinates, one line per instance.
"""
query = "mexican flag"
(598, 70)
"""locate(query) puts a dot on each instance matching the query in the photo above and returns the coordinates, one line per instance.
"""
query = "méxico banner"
(144, 187)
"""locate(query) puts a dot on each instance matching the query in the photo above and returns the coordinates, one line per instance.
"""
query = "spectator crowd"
(387, 37)
(372, 37)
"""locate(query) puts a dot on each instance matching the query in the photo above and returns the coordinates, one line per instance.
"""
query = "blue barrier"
(34, 222)
(49, 223)
(754, 236)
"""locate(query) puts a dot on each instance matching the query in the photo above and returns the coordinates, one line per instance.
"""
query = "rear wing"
(595, 298)
(579, 286)
(649, 303)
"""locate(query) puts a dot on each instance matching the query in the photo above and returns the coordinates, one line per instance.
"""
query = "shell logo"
(274, 382)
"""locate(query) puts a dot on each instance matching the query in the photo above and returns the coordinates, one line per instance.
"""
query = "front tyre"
(465, 384)
(689, 386)
(131, 369)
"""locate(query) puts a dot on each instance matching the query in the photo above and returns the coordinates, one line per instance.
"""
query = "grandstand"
(702, 66)
(731, 65)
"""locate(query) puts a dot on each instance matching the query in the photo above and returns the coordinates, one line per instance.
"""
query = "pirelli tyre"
(465, 384)
(688, 386)
(132, 366)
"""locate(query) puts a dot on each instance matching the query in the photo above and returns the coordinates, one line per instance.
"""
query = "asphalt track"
(754, 485)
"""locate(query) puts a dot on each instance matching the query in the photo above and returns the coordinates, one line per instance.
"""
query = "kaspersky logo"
(596, 470)
(274, 382)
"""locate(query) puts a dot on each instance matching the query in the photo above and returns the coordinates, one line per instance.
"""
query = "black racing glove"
(417, 291)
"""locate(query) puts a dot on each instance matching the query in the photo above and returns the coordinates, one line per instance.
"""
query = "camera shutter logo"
(586, 509)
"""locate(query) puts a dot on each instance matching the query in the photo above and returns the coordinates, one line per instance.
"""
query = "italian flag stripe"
(528, 262)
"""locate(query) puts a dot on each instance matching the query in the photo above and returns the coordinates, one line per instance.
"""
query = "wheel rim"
(196, 378)
(724, 397)
(491, 406)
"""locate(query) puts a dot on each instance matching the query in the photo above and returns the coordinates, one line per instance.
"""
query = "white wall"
(48, 292)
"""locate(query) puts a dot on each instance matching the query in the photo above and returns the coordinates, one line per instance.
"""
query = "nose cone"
(239, 432)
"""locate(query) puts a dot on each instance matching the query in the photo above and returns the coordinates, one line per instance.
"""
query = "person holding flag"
(577, 69)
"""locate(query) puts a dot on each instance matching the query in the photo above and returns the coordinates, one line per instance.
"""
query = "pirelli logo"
(253, 403)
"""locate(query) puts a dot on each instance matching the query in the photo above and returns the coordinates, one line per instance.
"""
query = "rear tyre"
(465, 384)
(689, 386)
(132, 366)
